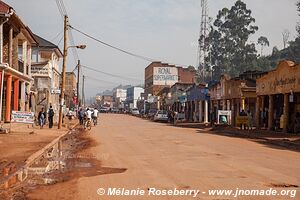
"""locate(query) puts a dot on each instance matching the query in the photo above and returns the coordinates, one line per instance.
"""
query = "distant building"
(133, 95)
(70, 90)
(106, 101)
(160, 75)
(119, 97)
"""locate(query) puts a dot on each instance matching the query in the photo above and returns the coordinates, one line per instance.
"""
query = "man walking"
(50, 116)
(42, 118)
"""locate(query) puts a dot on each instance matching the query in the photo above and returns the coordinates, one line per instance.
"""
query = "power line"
(57, 35)
(63, 11)
(99, 80)
(122, 50)
(114, 47)
(112, 75)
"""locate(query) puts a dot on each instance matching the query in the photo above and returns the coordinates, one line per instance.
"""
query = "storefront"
(278, 98)
(197, 103)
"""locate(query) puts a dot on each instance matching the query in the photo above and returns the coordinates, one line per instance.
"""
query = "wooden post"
(286, 113)
(271, 111)
(257, 113)
(78, 79)
(63, 75)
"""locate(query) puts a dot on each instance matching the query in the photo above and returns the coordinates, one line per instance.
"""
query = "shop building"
(16, 40)
(278, 98)
(71, 90)
(159, 75)
(45, 71)
(198, 103)
(235, 95)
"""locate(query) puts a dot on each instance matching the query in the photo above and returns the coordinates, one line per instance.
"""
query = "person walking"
(81, 116)
(42, 118)
(50, 116)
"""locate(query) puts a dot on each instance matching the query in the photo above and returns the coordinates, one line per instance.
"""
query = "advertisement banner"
(165, 75)
(22, 117)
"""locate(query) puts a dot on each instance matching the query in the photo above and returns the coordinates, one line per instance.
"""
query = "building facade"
(119, 96)
(70, 90)
(133, 95)
(235, 95)
(45, 71)
(16, 41)
(278, 98)
(160, 75)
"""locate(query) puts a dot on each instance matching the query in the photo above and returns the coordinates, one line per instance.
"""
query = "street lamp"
(82, 46)
(62, 91)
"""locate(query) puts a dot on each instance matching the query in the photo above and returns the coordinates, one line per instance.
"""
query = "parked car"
(115, 110)
(135, 111)
(161, 115)
(104, 110)
(151, 113)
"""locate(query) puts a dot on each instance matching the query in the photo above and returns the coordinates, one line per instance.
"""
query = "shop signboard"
(165, 75)
(22, 117)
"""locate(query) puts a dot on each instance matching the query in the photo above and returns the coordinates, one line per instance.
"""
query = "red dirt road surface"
(142, 155)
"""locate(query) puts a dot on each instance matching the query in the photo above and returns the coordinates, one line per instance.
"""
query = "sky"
(165, 30)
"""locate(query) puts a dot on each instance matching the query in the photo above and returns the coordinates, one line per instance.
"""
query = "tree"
(230, 50)
(263, 41)
(285, 37)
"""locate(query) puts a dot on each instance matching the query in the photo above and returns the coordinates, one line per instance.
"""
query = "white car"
(135, 111)
(161, 115)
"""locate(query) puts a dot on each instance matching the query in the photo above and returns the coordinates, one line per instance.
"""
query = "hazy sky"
(165, 30)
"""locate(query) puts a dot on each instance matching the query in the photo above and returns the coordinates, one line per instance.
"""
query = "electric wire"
(112, 75)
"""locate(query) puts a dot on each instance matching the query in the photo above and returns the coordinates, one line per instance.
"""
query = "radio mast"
(203, 44)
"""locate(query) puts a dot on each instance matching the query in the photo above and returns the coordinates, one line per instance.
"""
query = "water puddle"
(60, 163)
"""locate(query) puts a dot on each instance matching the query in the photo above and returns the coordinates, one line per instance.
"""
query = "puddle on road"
(60, 166)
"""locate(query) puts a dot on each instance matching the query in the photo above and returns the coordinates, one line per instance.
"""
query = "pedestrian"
(81, 116)
(250, 119)
(50, 116)
(42, 118)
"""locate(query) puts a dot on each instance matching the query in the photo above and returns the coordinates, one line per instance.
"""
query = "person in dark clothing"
(50, 116)
(42, 118)
(81, 116)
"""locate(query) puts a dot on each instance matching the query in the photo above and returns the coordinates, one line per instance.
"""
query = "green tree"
(230, 50)
(262, 41)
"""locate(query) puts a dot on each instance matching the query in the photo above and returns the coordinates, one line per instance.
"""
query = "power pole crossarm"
(63, 74)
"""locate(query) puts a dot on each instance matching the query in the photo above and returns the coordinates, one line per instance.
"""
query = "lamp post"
(62, 91)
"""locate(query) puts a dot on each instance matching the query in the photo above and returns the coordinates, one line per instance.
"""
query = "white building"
(119, 96)
(45, 71)
(133, 95)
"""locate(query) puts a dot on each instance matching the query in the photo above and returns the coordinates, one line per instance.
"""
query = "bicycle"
(95, 121)
(88, 125)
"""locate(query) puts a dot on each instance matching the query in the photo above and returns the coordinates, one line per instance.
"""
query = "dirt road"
(139, 154)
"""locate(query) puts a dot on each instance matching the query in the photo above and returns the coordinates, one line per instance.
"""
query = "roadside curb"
(21, 173)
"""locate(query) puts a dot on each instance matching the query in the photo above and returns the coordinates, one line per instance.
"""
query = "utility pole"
(78, 78)
(63, 74)
(83, 97)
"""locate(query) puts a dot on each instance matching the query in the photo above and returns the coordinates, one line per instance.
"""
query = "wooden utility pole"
(63, 74)
(83, 97)
(78, 78)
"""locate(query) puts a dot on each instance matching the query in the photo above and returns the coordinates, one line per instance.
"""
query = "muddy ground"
(75, 164)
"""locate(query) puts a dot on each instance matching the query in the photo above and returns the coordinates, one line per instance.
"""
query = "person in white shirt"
(89, 114)
(95, 116)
